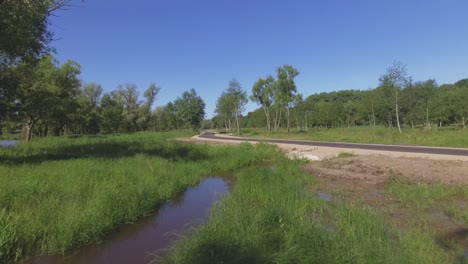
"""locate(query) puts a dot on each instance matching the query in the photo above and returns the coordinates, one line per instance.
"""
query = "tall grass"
(60, 193)
(450, 200)
(447, 137)
(268, 218)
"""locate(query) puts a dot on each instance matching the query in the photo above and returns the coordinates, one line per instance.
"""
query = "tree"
(111, 113)
(47, 91)
(262, 93)
(24, 30)
(92, 93)
(286, 88)
(90, 100)
(128, 96)
(425, 92)
(395, 79)
(189, 109)
(225, 110)
(238, 99)
(145, 109)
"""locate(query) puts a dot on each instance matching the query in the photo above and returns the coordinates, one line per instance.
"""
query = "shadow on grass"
(111, 150)
(457, 238)
(224, 252)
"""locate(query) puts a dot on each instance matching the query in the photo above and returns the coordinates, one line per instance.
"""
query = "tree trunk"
(373, 114)
(427, 116)
(237, 120)
(305, 123)
(287, 113)
(396, 110)
(31, 123)
(276, 120)
(463, 121)
(267, 114)
(279, 119)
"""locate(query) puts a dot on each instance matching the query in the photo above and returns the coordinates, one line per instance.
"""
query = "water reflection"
(135, 243)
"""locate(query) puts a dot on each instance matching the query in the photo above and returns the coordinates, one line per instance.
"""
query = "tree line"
(49, 99)
(39, 96)
(397, 101)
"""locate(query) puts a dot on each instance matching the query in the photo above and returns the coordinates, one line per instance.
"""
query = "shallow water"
(137, 243)
(325, 196)
(8, 143)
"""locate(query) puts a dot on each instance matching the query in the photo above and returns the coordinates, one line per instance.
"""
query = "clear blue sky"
(201, 44)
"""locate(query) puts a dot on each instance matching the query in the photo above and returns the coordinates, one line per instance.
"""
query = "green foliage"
(345, 155)
(60, 193)
(424, 196)
(231, 104)
(268, 218)
(188, 110)
(446, 137)
(23, 29)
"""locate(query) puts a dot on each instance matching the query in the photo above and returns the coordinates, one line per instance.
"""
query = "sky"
(203, 44)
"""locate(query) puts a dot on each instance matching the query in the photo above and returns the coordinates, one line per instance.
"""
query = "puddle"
(439, 216)
(325, 196)
(137, 243)
(8, 143)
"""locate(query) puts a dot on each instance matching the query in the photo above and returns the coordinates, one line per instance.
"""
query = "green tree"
(238, 99)
(285, 92)
(145, 109)
(24, 32)
(91, 95)
(111, 113)
(262, 93)
(128, 97)
(225, 110)
(48, 91)
(189, 110)
(395, 80)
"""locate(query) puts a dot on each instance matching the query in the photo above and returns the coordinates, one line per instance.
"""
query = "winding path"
(378, 147)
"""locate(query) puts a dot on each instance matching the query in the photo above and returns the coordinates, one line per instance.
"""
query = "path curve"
(378, 147)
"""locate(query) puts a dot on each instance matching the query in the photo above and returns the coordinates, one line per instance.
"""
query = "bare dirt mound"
(376, 169)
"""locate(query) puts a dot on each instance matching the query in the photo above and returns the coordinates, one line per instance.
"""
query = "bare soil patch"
(362, 181)
(375, 169)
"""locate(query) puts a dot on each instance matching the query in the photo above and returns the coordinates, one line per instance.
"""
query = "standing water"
(153, 235)
(8, 143)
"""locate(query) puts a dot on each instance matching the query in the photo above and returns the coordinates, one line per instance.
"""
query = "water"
(325, 196)
(137, 243)
(8, 143)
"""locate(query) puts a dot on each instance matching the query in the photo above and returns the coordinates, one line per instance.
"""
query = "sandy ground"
(373, 166)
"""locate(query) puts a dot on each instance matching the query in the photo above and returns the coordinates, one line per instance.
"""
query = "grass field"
(445, 137)
(60, 193)
(269, 218)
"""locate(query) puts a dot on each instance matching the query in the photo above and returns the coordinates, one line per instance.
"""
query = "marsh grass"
(268, 218)
(345, 155)
(446, 137)
(60, 193)
(423, 195)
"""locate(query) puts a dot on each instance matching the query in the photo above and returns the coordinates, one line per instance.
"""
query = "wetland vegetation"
(62, 193)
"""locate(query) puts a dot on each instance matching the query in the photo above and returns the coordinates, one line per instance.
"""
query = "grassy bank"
(445, 137)
(269, 218)
(60, 193)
